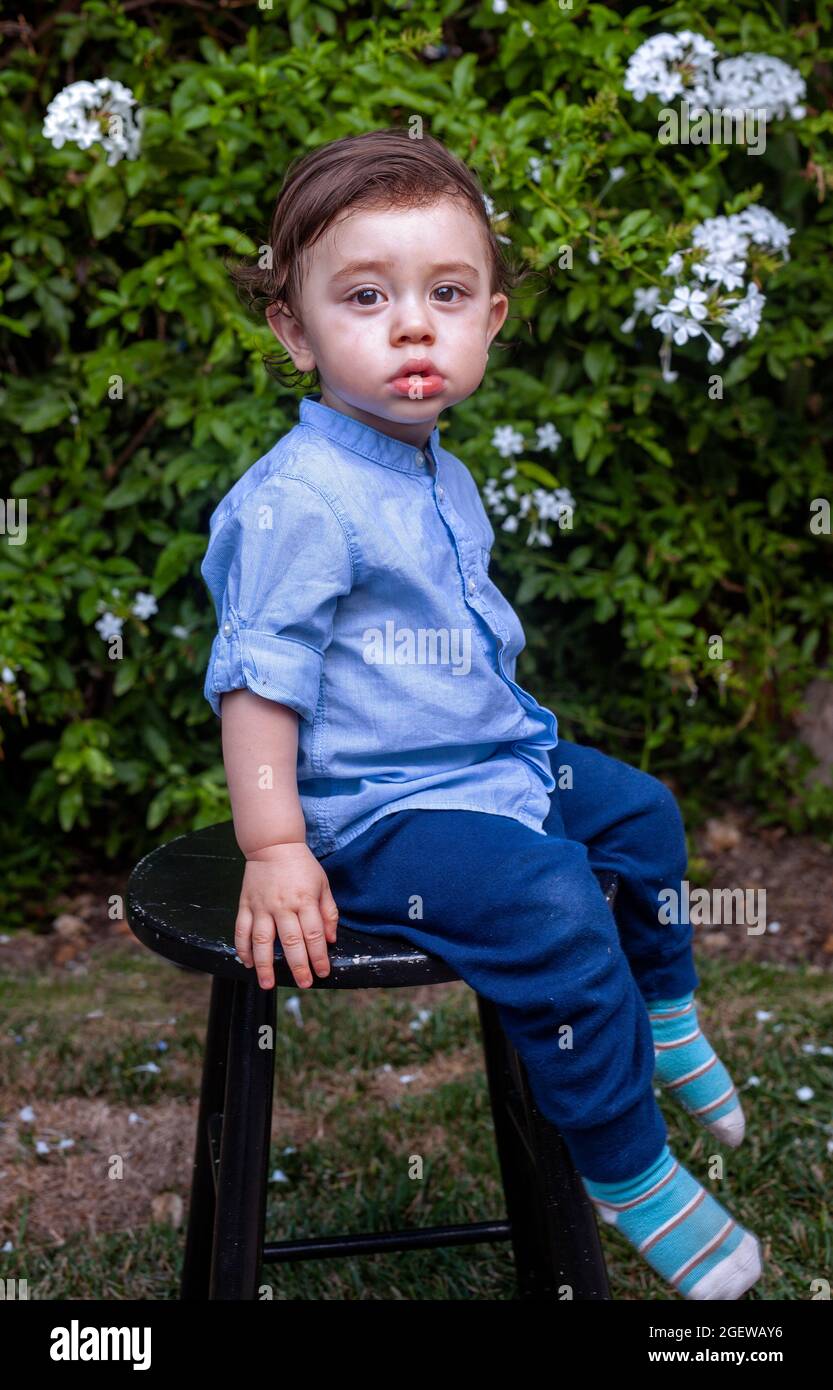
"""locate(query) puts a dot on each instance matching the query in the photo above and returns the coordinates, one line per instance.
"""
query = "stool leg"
(237, 1252)
(558, 1254)
(196, 1268)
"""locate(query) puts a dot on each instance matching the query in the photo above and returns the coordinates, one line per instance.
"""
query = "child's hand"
(285, 886)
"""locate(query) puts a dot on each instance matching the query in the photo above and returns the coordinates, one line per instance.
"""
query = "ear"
(289, 332)
(497, 315)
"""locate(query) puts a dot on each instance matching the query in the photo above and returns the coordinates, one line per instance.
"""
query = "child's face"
(361, 327)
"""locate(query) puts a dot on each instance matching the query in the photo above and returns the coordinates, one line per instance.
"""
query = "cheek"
(355, 340)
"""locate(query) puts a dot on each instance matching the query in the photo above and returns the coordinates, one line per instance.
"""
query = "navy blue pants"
(522, 919)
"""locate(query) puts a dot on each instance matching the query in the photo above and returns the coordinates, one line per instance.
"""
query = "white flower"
(593, 256)
(510, 524)
(666, 65)
(754, 1081)
(645, 301)
(534, 168)
(8, 675)
(548, 437)
(179, 631)
(743, 320)
(499, 6)
(687, 64)
(617, 173)
(763, 1015)
(804, 1093)
(723, 246)
(144, 606)
(109, 626)
(293, 1006)
(527, 28)
(507, 441)
(87, 113)
(680, 327)
(758, 82)
(686, 301)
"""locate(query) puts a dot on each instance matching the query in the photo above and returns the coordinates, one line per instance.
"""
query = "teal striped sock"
(690, 1069)
(681, 1230)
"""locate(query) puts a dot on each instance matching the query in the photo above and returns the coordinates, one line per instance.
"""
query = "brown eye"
(356, 294)
(452, 288)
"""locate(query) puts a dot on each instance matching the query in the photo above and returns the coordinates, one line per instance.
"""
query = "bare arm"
(261, 735)
(284, 886)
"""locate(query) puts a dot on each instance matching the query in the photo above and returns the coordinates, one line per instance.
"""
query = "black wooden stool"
(182, 902)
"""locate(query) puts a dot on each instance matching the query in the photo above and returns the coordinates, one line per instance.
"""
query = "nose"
(412, 322)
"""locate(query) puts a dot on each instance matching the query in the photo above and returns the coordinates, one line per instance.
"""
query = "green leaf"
(583, 434)
(128, 492)
(176, 560)
(538, 474)
(69, 805)
(105, 209)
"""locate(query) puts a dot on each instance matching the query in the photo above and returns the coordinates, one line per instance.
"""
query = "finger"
(313, 929)
(263, 949)
(243, 935)
(329, 912)
(294, 947)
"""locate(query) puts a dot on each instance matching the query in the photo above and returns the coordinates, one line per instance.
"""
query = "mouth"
(418, 378)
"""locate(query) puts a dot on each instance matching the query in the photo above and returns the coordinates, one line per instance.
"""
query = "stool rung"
(383, 1242)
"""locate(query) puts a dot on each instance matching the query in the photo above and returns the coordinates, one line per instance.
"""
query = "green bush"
(134, 394)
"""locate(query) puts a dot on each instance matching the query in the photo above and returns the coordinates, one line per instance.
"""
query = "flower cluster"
(717, 258)
(110, 624)
(86, 113)
(494, 216)
(543, 504)
(688, 65)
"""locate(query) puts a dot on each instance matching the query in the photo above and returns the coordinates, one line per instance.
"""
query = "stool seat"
(182, 902)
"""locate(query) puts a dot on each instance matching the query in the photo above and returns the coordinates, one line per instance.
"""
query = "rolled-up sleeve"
(276, 567)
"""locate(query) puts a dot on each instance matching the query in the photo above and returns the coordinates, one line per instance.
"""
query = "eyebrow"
(362, 267)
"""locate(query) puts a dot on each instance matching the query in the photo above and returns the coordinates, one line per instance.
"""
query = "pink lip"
(417, 387)
(415, 365)
(418, 378)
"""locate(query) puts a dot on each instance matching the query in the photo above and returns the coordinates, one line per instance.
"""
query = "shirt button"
(441, 493)
(419, 456)
(226, 629)
(472, 585)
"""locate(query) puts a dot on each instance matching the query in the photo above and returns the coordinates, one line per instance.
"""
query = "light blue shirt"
(349, 573)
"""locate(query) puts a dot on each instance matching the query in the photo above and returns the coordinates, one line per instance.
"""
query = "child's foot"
(691, 1070)
(681, 1230)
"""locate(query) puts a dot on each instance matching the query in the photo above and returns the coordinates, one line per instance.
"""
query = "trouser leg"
(521, 918)
(631, 824)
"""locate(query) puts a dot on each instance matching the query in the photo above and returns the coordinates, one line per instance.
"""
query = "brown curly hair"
(380, 168)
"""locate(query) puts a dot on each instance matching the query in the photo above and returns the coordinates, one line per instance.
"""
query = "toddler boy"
(365, 657)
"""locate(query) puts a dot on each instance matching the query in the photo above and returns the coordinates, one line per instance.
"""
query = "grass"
(104, 1218)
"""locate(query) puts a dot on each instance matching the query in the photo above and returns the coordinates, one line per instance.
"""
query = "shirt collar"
(365, 440)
